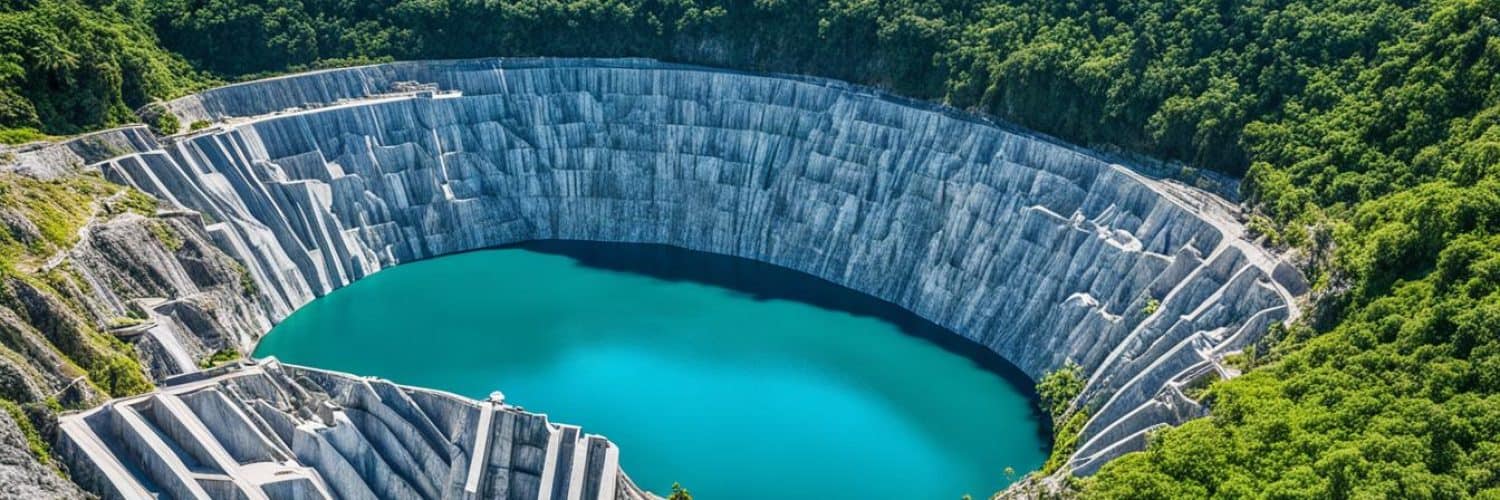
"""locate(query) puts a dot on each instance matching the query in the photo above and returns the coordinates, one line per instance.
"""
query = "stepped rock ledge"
(1042, 252)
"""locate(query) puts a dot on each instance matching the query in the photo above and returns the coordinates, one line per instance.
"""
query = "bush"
(119, 376)
(1059, 387)
(248, 289)
(1064, 441)
(164, 123)
(220, 357)
(679, 493)
(34, 441)
(21, 135)
(1152, 305)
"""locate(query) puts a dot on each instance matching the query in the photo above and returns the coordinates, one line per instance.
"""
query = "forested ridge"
(1368, 133)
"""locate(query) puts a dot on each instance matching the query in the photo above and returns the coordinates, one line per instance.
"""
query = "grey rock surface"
(189, 291)
(1040, 251)
(270, 430)
(21, 474)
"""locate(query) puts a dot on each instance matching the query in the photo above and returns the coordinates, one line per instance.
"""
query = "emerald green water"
(735, 378)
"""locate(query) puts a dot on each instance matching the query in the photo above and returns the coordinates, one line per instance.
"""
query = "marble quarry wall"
(279, 431)
(1042, 252)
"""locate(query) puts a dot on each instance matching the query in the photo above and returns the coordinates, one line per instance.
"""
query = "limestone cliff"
(96, 280)
(1040, 251)
(22, 474)
(274, 431)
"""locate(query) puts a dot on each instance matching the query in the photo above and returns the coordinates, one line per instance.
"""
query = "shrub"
(120, 376)
(1058, 388)
(163, 121)
(680, 493)
(220, 357)
(34, 441)
(1152, 305)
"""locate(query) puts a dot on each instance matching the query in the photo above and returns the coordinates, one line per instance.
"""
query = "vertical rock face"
(1042, 252)
(21, 474)
(274, 431)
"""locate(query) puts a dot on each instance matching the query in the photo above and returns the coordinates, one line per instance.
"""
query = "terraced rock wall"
(280, 431)
(1042, 252)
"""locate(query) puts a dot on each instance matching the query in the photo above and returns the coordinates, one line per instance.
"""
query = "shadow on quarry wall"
(1043, 251)
(764, 281)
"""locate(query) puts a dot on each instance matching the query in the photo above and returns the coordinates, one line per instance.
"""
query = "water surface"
(738, 379)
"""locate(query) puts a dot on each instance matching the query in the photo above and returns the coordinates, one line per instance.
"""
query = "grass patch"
(166, 235)
(57, 207)
(124, 322)
(248, 288)
(220, 357)
(34, 441)
(134, 201)
(116, 371)
(1064, 441)
(21, 135)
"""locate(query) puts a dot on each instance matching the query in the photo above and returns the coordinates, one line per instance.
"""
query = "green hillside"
(1368, 132)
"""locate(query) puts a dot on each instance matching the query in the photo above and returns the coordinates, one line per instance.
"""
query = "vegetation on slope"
(34, 441)
(220, 357)
(53, 356)
(39, 221)
(1368, 131)
(68, 66)
(1057, 390)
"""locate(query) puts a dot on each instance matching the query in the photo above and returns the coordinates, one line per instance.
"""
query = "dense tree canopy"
(1368, 132)
(66, 66)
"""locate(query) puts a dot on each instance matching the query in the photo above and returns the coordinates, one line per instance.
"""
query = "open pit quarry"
(292, 187)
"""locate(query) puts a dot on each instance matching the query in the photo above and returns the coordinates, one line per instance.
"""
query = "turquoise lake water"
(738, 379)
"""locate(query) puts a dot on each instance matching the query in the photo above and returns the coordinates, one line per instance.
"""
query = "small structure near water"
(271, 430)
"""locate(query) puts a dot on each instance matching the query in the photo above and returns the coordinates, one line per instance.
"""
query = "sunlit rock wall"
(1042, 252)
(280, 431)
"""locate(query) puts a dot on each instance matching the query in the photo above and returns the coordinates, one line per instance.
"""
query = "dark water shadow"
(763, 281)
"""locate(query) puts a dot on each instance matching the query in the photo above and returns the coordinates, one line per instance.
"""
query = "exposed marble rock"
(21, 474)
(31, 368)
(162, 269)
(191, 294)
(279, 431)
(1040, 251)
(51, 160)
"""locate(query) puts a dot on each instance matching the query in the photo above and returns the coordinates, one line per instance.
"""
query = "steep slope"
(275, 431)
(96, 280)
(1041, 252)
(22, 474)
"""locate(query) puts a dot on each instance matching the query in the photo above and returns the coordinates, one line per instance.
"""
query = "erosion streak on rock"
(1040, 251)
(279, 431)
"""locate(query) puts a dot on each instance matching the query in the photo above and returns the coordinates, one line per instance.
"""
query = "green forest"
(1367, 133)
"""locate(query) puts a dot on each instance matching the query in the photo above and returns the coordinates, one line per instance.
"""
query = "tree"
(1059, 387)
(679, 493)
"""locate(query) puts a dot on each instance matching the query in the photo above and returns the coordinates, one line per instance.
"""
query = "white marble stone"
(1040, 251)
